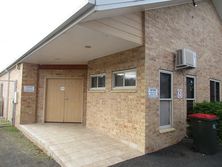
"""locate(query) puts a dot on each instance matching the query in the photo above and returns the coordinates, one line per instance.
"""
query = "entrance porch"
(74, 145)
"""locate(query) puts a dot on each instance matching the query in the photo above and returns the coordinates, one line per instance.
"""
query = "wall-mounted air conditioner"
(185, 58)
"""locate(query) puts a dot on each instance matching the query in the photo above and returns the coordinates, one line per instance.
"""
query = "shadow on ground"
(17, 151)
(180, 155)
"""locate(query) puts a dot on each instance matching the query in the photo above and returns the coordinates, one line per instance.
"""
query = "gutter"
(125, 4)
(144, 4)
(85, 11)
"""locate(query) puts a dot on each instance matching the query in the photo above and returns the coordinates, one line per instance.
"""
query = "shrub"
(211, 108)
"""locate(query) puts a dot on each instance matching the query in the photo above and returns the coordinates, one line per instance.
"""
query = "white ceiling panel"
(71, 47)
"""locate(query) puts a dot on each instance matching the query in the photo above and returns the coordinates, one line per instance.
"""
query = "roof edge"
(72, 21)
(87, 10)
(142, 3)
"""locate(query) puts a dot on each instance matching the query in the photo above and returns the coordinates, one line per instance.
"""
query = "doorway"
(64, 100)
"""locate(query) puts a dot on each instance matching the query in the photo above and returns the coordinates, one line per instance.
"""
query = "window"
(214, 91)
(165, 99)
(190, 85)
(124, 79)
(98, 81)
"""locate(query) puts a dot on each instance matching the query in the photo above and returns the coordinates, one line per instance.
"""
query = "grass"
(21, 142)
(3, 122)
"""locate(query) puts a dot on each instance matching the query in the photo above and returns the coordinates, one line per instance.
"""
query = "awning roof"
(78, 46)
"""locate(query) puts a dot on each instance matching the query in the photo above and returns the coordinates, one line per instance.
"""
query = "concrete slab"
(73, 145)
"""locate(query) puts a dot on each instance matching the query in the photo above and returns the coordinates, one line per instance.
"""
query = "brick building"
(112, 69)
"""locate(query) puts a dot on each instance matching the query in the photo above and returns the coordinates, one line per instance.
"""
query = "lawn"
(17, 151)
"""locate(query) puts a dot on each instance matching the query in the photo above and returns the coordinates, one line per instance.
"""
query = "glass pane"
(212, 92)
(217, 91)
(130, 78)
(165, 113)
(118, 79)
(165, 85)
(190, 87)
(190, 106)
(101, 81)
(93, 82)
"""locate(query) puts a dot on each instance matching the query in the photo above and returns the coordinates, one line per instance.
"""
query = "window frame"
(216, 81)
(123, 87)
(194, 77)
(167, 99)
(195, 85)
(97, 76)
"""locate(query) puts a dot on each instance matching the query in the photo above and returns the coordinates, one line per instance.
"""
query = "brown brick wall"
(50, 73)
(119, 114)
(130, 116)
(30, 106)
(167, 30)
(28, 100)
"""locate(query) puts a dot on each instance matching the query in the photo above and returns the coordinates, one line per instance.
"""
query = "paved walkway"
(73, 145)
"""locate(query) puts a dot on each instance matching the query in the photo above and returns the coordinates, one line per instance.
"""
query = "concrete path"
(73, 145)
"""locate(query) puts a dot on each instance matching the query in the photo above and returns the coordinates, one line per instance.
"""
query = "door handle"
(66, 98)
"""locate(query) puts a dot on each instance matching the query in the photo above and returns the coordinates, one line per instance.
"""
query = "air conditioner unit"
(185, 58)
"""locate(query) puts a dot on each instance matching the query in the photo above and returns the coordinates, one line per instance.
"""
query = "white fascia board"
(93, 2)
(145, 4)
(124, 4)
(106, 2)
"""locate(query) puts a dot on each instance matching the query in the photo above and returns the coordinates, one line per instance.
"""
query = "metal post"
(7, 95)
(14, 104)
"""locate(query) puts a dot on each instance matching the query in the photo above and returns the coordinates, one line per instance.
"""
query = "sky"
(23, 23)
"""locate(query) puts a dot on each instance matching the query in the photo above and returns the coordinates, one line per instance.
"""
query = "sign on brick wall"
(29, 89)
(153, 93)
(179, 93)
